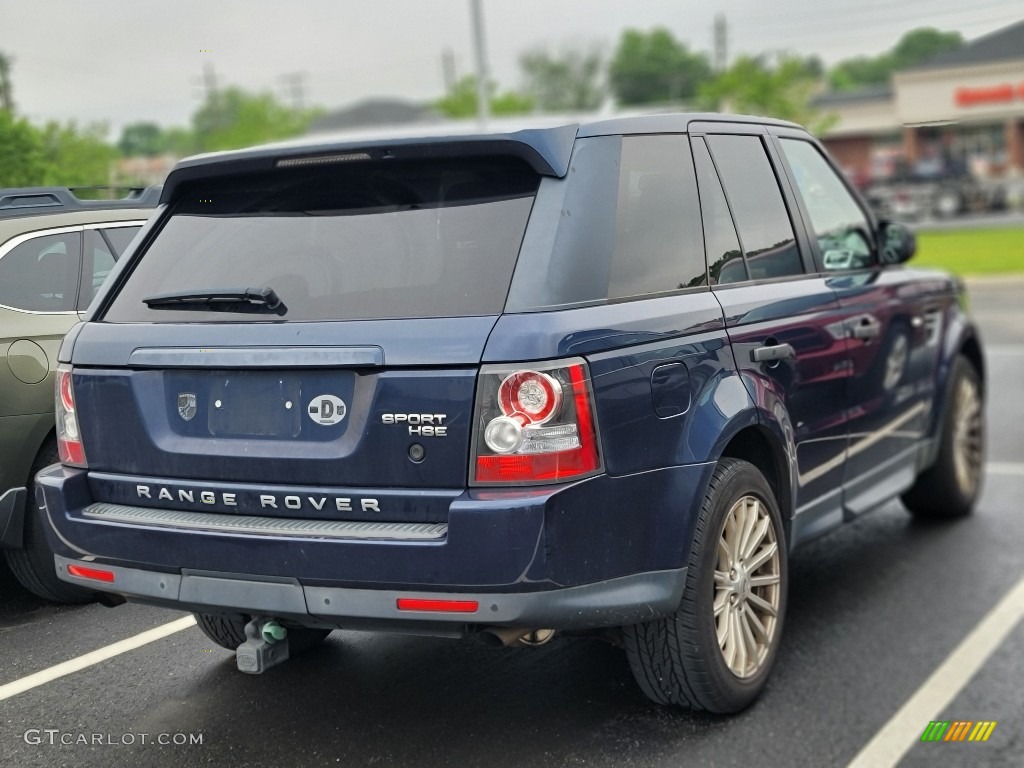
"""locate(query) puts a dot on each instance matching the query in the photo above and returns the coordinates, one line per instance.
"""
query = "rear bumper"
(600, 552)
(616, 602)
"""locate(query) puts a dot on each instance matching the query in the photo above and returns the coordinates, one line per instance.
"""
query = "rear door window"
(41, 274)
(658, 240)
(765, 230)
(359, 240)
(97, 261)
(725, 257)
(119, 237)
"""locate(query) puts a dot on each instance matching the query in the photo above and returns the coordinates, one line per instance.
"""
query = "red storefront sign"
(990, 94)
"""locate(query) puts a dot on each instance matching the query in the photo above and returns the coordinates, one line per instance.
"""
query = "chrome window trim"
(17, 240)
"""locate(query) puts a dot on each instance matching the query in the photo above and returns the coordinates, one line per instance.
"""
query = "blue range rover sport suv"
(595, 378)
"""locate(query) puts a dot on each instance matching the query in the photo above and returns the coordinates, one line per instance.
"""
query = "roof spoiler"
(546, 150)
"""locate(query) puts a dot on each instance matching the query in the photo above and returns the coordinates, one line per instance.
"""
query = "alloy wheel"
(968, 436)
(747, 586)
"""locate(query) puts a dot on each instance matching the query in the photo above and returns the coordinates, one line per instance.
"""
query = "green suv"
(55, 251)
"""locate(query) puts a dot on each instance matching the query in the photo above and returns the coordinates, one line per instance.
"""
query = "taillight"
(534, 425)
(69, 437)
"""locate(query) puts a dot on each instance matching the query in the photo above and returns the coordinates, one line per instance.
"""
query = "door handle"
(772, 353)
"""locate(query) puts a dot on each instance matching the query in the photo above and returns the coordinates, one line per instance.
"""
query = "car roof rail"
(27, 201)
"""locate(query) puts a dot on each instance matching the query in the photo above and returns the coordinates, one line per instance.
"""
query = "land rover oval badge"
(187, 405)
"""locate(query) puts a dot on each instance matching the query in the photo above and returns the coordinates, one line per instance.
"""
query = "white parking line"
(1005, 468)
(904, 729)
(95, 657)
(1004, 349)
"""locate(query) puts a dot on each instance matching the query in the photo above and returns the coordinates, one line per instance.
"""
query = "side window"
(41, 274)
(658, 243)
(98, 261)
(119, 237)
(766, 232)
(840, 226)
(725, 257)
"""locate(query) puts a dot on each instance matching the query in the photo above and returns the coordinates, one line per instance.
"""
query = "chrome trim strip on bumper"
(265, 526)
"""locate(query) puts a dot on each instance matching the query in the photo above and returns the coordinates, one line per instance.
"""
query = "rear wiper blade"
(220, 300)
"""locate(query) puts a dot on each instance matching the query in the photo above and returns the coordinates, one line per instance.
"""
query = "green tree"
(919, 45)
(915, 47)
(179, 142)
(234, 118)
(650, 67)
(141, 139)
(22, 162)
(571, 81)
(56, 154)
(753, 86)
(460, 101)
(76, 156)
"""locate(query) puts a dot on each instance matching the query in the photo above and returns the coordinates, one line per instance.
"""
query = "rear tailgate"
(359, 385)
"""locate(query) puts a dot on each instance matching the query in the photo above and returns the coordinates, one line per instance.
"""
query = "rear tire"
(32, 565)
(692, 658)
(951, 486)
(228, 631)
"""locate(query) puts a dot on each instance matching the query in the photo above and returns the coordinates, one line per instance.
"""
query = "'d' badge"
(326, 409)
(187, 405)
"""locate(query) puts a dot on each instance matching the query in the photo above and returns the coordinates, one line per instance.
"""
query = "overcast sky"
(122, 61)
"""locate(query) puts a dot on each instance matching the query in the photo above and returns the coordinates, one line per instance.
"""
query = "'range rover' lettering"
(266, 500)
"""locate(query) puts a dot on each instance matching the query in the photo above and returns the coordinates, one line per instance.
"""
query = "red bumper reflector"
(438, 606)
(91, 573)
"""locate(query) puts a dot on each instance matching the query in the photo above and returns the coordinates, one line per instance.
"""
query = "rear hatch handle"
(256, 357)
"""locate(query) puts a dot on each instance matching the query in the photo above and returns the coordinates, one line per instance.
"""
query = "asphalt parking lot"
(874, 610)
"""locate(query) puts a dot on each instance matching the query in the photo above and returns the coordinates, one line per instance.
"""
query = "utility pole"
(448, 69)
(296, 84)
(210, 80)
(6, 100)
(483, 78)
(721, 55)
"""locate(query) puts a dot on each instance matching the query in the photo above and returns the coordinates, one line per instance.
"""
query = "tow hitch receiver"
(265, 646)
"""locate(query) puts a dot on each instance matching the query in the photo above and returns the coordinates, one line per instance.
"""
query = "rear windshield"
(355, 240)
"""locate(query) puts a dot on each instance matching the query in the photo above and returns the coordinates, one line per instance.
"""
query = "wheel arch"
(961, 339)
(765, 450)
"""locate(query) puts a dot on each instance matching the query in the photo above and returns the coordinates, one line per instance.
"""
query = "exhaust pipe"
(510, 636)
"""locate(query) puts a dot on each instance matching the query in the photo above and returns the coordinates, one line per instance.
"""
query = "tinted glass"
(757, 205)
(840, 226)
(658, 239)
(119, 237)
(41, 274)
(96, 265)
(346, 241)
(725, 258)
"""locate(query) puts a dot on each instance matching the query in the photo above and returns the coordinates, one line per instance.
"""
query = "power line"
(873, 21)
(802, 38)
(878, 13)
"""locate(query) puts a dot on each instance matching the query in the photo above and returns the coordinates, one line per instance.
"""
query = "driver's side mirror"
(897, 243)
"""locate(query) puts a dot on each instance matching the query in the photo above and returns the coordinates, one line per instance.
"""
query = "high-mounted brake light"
(535, 425)
(347, 157)
(69, 436)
